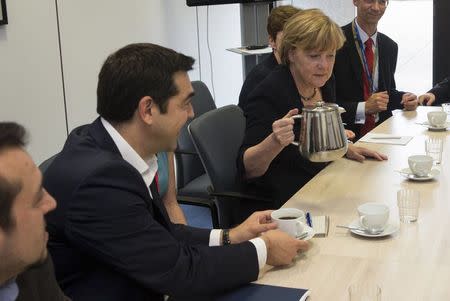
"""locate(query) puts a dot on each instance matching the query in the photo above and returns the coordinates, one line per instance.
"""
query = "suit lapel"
(158, 207)
(382, 64)
(355, 61)
(105, 142)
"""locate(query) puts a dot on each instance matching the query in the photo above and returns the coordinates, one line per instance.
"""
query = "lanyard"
(360, 49)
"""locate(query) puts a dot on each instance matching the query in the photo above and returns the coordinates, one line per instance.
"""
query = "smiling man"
(111, 237)
(364, 71)
(26, 272)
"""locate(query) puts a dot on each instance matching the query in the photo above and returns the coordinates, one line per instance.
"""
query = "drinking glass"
(446, 107)
(408, 205)
(434, 148)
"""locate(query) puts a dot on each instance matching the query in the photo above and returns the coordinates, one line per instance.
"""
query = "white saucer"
(407, 173)
(390, 229)
(310, 232)
(436, 128)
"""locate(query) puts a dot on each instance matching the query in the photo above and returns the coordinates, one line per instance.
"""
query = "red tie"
(156, 181)
(370, 118)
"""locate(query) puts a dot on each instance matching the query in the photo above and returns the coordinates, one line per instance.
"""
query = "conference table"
(411, 264)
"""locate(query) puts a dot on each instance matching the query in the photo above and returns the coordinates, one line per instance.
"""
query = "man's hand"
(350, 134)
(427, 99)
(377, 102)
(409, 101)
(361, 153)
(252, 227)
(283, 129)
(281, 247)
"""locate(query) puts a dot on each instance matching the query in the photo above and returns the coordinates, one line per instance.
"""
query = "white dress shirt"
(361, 109)
(148, 168)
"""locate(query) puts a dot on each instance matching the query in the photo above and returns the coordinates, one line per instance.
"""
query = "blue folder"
(261, 292)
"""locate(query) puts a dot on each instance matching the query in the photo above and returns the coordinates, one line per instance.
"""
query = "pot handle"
(298, 116)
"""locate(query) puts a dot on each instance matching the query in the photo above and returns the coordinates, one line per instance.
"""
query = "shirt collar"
(9, 290)
(147, 168)
(364, 36)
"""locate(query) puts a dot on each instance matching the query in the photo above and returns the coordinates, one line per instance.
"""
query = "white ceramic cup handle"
(431, 121)
(361, 221)
(299, 228)
(298, 116)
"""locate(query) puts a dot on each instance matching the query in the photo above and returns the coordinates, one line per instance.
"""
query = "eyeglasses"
(380, 2)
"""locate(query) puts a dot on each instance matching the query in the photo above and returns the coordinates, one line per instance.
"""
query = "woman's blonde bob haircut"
(308, 30)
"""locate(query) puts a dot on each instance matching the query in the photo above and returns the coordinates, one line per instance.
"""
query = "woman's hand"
(283, 129)
(361, 153)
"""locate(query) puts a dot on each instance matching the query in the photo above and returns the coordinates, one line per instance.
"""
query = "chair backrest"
(217, 136)
(44, 165)
(189, 165)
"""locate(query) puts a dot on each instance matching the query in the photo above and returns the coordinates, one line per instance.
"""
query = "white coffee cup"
(290, 220)
(437, 118)
(420, 165)
(373, 216)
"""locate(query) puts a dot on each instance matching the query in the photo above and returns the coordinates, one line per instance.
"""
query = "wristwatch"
(226, 237)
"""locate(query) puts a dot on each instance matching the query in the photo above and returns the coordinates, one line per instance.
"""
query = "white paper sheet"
(386, 139)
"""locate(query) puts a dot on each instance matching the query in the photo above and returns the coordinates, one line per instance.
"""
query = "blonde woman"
(268, 163)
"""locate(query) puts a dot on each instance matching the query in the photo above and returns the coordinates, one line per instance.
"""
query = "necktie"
(370, 118)
(157, 181)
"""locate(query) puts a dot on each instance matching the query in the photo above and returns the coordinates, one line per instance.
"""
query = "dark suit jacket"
(348, 74)
(255, 77)
(270, 101)
(441, 91)
(111, 241)
(39, 284)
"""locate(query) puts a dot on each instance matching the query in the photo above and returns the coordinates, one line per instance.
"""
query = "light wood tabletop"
(411, 264)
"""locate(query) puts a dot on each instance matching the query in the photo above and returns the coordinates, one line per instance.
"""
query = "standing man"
(26, 272)
(364, 71)
(111, 237)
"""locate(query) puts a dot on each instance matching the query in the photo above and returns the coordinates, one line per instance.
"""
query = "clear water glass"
(446, 107)
(434, 148)
(408, 201)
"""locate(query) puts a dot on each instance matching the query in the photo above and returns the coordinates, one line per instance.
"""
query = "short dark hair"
(278, 17)
(136, 71)
(11, 135)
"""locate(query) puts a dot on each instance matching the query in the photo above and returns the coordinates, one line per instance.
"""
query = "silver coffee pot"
(322, 135)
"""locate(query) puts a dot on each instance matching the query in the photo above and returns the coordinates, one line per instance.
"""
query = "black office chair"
(217, 136)
(192, 180)
(44, 165)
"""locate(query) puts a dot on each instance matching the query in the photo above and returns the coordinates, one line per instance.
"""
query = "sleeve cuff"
(361, 114)
(214, 237)
(360, 117)
(261, 251)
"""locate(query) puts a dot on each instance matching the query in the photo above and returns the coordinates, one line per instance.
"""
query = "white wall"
(90, 31)
(341, 11)
(30, 75)
(31, 89)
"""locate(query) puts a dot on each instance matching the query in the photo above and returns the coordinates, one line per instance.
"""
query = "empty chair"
(192, 180)
(217, 136)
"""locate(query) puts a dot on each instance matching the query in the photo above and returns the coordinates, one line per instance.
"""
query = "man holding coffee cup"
(111, 237)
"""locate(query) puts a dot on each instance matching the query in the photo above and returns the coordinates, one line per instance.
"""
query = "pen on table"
(308, 219)
(386, 137)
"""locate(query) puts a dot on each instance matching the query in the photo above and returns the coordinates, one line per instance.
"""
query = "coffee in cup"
(373, 216)
(420, 165)
(437, 118)
(290, 220)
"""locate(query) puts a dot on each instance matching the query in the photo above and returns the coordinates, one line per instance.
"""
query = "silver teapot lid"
(322, 106)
